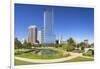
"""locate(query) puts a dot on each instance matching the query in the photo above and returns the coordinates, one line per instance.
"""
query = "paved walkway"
(86, 57)
(73, 55)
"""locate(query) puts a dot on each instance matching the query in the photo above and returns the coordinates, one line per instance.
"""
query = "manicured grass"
(35, 56)
(59, 54)
(80, 59)
(18, 51)
(19, 62)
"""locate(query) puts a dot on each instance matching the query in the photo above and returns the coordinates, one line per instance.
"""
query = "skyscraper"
(32, 36)
(48, 26)
(39, 38)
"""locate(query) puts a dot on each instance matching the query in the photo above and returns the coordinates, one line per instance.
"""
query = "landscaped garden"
(54, 52)
(42, 53)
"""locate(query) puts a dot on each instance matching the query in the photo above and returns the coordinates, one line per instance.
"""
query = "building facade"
(39, 38)
(32, 36)
(49, 36)
(86, 43)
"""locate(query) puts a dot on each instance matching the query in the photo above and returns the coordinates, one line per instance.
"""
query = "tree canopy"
(17, 44)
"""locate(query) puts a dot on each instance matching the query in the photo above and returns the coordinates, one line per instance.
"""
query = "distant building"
(60, 39)
(39, 38)
(86, 43)
(48, 35)
(63, 42)
(57, 41)
(32, 35)
(42, 35)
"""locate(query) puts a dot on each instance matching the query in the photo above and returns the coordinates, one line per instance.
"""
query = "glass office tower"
(48, 26)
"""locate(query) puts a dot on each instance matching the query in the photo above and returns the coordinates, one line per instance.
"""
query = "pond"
(42, 53)
(46, 52)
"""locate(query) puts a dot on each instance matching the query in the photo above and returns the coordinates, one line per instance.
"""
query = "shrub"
(89, 53)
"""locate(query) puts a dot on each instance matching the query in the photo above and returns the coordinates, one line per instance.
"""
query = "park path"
(73, 55)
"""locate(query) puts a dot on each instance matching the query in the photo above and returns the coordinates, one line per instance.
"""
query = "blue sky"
(73, 22)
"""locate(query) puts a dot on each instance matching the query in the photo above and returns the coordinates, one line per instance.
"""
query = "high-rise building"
(39, 38)
(48, 26)
(86, 43)
(42, 35)
(32, 36)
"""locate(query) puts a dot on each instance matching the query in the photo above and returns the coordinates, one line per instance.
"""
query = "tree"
(92, 45)
(78, 45)
(71, 44)
(66, 47)
(18, 44)
(27, 45)
(81, 45)
(90, 52)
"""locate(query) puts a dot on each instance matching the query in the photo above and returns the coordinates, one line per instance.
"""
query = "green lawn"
(19, 62)
(80, 59)
(59, 54)
(35, 56)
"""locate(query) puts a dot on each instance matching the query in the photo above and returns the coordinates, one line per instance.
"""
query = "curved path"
(73, 55)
